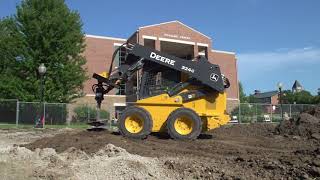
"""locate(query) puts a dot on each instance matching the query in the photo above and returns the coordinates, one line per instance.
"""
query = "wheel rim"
(134, 124)
(183, 125)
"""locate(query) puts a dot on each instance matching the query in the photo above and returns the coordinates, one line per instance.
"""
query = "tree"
(316, 99)
(303, 97)
(251, 99)
(287, 97)
(10, 47)
(242, 95)
(42, 31)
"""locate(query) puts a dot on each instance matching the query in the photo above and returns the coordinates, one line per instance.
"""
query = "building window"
(203, 51)
(150, 43)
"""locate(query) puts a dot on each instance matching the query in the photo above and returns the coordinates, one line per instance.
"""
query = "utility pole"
(42, 70)
(280, 85)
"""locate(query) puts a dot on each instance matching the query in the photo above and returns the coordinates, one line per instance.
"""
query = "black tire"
(142, 114)
(184, 112)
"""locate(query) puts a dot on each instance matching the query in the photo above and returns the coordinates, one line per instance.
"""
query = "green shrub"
(84, 113)
(56, 114)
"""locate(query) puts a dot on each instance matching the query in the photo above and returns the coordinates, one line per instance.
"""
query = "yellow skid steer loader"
(177, 96)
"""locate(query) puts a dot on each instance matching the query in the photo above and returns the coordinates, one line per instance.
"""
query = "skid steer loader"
(177, 96)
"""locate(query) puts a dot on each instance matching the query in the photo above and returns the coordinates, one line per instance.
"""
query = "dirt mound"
(86, 141)
(307, 125)
(314, 112)
(110, 162)
(111, 150)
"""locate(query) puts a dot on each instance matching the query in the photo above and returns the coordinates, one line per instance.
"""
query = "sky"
(274, 41)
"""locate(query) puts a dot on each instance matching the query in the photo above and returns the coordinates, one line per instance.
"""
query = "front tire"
(184, 124)
(135, 122)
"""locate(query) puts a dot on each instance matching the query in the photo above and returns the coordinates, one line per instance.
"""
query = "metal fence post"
(68, 107)
(239, 113)
(88, 113)
(271, 112)
(62, 112)
(256, 111)
(290, 110)
(44, 114)
(17, 113)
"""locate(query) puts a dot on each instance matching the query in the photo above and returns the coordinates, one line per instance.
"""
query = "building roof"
(296, 85)
(105, 37)
(224, 52)
(265, 94)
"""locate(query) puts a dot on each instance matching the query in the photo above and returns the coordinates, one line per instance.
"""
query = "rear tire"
(184, 124)
(135, 122)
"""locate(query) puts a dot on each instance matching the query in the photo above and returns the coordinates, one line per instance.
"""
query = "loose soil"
(290, 150)
(231, 152)
(307, 125)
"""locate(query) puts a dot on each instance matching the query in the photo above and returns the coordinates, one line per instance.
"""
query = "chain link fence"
(14, 113)
(8, 111)
(83, 113)
(253, 112)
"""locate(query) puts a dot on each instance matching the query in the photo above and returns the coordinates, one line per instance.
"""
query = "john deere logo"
(214, 77)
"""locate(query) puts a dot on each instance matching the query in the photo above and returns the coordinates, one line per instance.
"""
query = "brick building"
(270, 97)
(172, 37)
